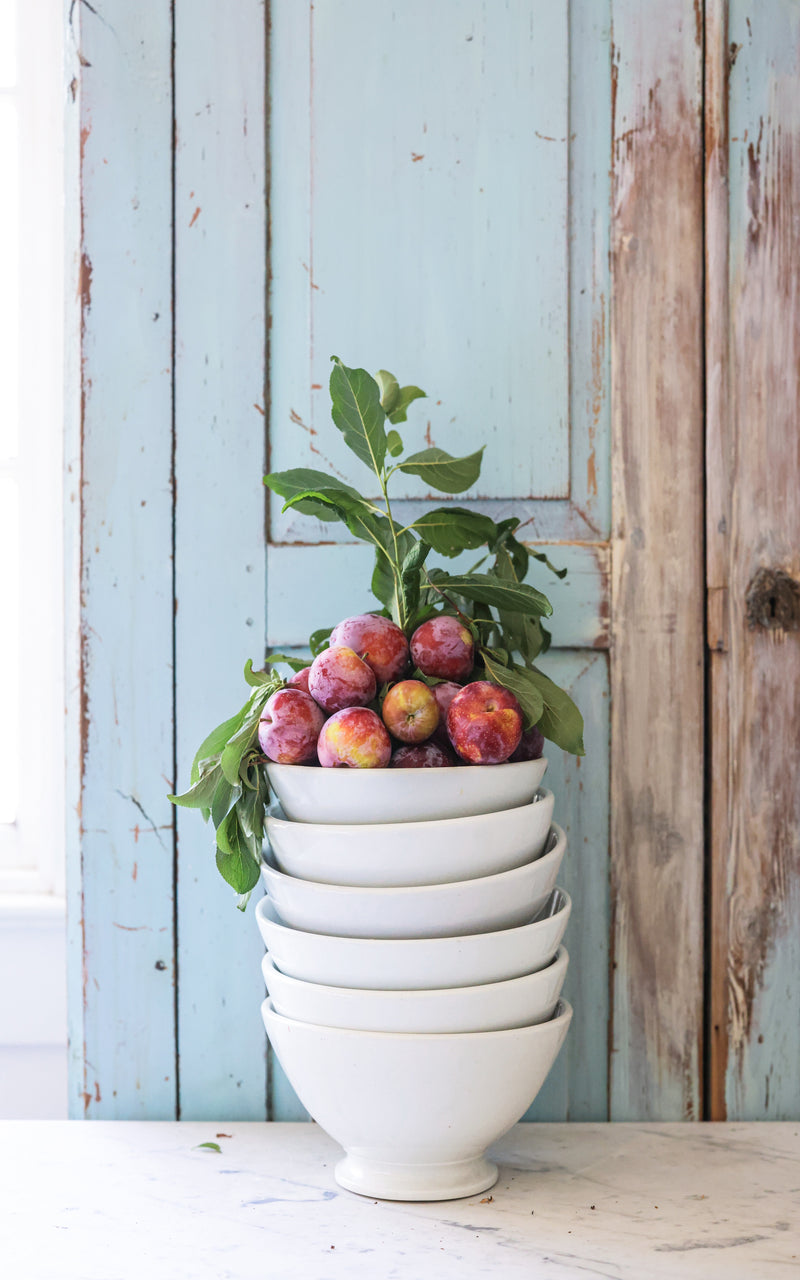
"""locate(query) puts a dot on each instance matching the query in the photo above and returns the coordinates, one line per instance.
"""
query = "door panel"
(437, 163)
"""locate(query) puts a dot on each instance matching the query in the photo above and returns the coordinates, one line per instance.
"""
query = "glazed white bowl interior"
(416, 964)
(415, 1113)
(402, 795)
(410, 853)
(494, 1006)
(480, 905)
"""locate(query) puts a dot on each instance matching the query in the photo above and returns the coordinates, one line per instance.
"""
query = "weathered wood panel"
(121, 908)
(657, 573)
(220, 301)
(437, 166)
(753, 523)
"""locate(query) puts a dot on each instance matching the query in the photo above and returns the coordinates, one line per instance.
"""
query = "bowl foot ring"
(386, 1180)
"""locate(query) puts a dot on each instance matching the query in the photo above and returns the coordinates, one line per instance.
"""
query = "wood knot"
(773, 601)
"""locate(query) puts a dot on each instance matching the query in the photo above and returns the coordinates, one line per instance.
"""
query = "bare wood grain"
(657, 573)
(753, 86)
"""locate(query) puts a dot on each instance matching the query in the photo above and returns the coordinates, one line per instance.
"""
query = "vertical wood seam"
(173, 485)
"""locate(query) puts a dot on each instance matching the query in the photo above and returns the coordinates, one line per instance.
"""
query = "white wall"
(33, 1008)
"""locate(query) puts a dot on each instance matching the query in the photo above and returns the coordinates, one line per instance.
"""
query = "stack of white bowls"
(414, 967)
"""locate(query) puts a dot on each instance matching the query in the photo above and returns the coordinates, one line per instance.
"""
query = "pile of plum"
(325, 715)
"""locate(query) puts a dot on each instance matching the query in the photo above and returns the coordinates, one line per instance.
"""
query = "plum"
(378, 641)
(531, 745)
(484, 722)
(354, 738)
(443, 647)
(299, 680)
(444, 694)
(410, 711)
(425, 755)
(289, 727)
(338, 679)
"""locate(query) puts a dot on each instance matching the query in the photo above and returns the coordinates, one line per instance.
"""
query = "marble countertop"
(113, 1201)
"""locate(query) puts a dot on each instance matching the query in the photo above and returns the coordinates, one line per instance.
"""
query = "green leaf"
(305, 480)
(235, 861)
(488, 589)
(239, 744)
(543, 559)
(384, 585)
(217, 739)
(519, 681)
(406, 396)
(225, 796)
(319, 640)
(442, 471)
(410, 576)
(389, 389)
(561, 721)
(238, 870)
(394, 443)
(356, 410)
(208, 1146)
(451, 530)
(297, 664)
(258, 679)
(200, 795)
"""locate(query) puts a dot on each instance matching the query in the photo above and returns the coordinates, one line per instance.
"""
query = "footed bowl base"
(386, 1180)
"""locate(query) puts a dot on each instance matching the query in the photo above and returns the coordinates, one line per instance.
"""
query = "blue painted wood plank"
(220, 285)
(429, 226)
(122, 957)
(577, 1088)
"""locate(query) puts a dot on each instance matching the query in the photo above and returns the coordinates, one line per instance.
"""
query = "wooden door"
(505, 204)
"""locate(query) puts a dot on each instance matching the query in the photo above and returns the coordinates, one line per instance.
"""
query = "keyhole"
(773, 601)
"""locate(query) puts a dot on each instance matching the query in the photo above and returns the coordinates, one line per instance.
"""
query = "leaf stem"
(467, 621)
(383, 480)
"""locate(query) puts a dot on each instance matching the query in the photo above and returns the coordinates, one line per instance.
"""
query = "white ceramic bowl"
(416, 964)
(402, 795)
(415, 1113)
(410, 853)
(494, 1006)
(420, 911)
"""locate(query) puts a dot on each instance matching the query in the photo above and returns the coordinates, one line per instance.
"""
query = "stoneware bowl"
(415, 1113)
(402, 795)
(495, 1006)
(416, 964)
(482, 905)
(410, 853)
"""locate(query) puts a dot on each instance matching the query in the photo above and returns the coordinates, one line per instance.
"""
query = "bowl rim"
(542, 795)
(562, 1015)
(407, 891)
(566, 906)
(561, 958)
(519, 765)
